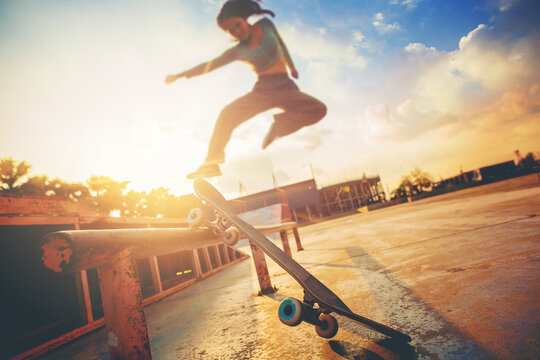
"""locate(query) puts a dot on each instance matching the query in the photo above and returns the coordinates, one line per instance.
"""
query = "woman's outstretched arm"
(225, 58)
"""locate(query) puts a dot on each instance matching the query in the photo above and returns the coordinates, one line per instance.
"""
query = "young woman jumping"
(260, 46)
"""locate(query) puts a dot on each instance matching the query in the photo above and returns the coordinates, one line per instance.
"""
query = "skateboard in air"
(319, 301)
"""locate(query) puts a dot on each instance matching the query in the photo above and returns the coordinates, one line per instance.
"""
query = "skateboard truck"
(222, 227)
(292, 312)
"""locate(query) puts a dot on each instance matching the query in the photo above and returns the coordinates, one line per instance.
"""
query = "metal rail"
(114, 254)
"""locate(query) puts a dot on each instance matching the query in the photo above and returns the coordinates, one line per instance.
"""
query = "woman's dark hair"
(242, 9)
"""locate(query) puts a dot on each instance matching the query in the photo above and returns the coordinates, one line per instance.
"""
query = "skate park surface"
(459, 273)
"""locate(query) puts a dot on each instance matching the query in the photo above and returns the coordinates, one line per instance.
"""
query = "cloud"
(358, 36)
(505, 5)
(311, 138)
(309, 43)
(470, 37)
(420, 49)
(496, 60)
(490, 61)
(409, 4)
(404, 123)
(382, 27)
(511, 108)
(491, 81)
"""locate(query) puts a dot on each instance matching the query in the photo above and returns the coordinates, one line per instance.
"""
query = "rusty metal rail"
(69, 251)
(114, 254)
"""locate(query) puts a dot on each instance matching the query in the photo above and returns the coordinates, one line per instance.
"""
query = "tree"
(416, 181)
(11, 172)
(107, 194)
(421, 179)
(159, 203)
(529, 162)
(134, 204)
(101, 192)
(36, 185)
(405, 185)
(77, 191)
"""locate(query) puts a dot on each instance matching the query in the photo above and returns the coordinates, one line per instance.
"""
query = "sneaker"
(205, 171)
(270, 136)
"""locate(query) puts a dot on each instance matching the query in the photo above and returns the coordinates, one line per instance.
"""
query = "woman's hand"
(169, 79)
(294, 72)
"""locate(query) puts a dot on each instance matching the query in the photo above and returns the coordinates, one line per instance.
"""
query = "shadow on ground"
(433, 336)
(348, 350)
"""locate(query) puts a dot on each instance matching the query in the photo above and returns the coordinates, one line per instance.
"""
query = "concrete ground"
(459, 273)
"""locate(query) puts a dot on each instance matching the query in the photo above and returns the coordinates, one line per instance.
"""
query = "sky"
(441, 85)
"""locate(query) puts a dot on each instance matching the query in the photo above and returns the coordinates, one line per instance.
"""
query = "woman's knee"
(318, 112)
(321, 110)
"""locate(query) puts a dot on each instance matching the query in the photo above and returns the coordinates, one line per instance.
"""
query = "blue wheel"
(195, 217)
(291, 312)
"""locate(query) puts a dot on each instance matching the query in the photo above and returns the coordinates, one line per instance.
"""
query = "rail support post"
(127, 334)
(285, 242)
(297, 238)
(262, 269)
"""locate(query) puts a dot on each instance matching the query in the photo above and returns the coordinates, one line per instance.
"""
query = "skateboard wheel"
(224, 223)
(231, 236)
(329, 327)
(195, 217)
(291, 312)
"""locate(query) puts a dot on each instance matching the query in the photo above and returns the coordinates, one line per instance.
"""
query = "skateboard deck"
(314, 290)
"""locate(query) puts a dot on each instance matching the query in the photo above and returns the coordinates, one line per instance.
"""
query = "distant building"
(483, 175)
(302, 199)
(497, 172)
(352, 195)
(307, 203)
(463, 179)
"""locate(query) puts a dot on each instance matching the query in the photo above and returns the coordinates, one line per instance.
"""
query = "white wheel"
(195, 218)
(224, 223)
(231, 236)
(329, 328)
(291, 312)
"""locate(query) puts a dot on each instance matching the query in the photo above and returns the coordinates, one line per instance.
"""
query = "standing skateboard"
(318, 302)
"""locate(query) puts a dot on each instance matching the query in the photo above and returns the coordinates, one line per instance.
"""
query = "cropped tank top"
(262, 57)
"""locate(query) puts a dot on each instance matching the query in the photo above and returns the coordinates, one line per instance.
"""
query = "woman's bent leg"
(300, 110)
(232, 115)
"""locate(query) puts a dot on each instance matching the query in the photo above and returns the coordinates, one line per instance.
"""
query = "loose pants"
(270, 91)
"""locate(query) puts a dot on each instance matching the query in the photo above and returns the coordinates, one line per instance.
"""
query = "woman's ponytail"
(242, 9)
